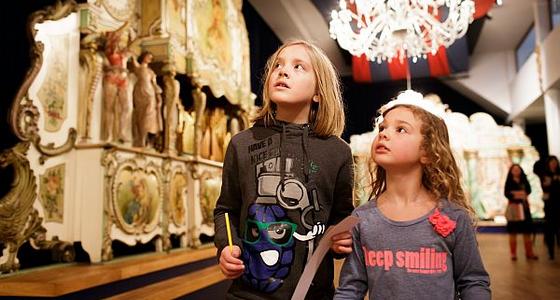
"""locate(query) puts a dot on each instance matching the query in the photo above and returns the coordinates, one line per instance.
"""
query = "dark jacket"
(281, 184)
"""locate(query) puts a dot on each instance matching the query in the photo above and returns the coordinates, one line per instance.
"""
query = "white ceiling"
(506, 26)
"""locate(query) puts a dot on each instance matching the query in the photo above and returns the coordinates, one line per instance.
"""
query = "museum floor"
(193, 275)
(521, 279)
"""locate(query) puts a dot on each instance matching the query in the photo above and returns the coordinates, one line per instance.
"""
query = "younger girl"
(285, 180)
(415, 238)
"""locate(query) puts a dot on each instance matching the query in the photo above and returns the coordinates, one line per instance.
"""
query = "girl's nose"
(282, 73)
(383, 135)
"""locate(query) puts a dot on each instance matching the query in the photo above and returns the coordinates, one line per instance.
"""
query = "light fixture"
(385, 29)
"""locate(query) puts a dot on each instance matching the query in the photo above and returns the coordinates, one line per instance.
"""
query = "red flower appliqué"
(443, 225)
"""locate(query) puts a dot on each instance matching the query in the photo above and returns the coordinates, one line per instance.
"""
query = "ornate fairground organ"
(124, 118)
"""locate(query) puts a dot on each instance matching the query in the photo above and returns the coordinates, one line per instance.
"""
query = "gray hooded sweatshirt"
(282, 186)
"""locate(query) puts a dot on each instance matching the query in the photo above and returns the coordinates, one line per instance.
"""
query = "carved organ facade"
(172, 75)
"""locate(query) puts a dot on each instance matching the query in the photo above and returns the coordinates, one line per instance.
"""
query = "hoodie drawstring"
(304, 138)
(305, 143)
(282, 156)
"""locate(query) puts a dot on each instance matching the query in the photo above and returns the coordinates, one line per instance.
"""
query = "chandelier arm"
(358, 20)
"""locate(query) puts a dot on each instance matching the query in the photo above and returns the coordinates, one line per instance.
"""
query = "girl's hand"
(342, 243)
(230, 264)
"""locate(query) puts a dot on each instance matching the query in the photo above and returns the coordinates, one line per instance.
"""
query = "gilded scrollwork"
(109, 162)
(50, 149)
(55, 12)
(24, 115)
(25, 121)
(18, 219)
(61, 251)
(165, 205)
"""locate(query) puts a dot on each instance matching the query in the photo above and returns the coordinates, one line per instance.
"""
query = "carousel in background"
(124, 119)
(484, 152)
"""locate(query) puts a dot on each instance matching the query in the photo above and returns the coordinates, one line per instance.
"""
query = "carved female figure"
(115, 86)
(172, 104)
(147, 119)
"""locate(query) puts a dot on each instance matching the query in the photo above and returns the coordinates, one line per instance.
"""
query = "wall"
(551, 59)
(489, 77)
(525, 87)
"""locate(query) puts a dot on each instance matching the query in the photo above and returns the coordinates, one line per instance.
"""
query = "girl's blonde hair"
(326, 117)
(440, 175)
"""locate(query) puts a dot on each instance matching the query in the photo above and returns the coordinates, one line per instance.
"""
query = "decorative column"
(552, 116)
(199, 98)
(171, 90)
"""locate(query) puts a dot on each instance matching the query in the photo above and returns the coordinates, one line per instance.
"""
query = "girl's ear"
(316, 98)
(424, 159)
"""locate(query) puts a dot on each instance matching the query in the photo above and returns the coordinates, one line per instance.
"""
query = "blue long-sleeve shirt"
(410, 260)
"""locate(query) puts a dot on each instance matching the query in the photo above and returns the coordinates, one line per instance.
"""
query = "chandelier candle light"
(384, 29)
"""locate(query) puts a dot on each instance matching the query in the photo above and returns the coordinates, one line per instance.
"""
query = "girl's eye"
(276, 65)
(298, 67)
(381, 128)
(401, 130)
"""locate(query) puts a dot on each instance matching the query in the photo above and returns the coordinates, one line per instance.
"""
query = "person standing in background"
(518, 213)
(551, 197)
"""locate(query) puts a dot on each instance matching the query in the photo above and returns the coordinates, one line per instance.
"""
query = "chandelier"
(385, 29)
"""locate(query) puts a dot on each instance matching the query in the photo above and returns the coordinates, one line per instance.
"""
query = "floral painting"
(51, 193)
(53, 92)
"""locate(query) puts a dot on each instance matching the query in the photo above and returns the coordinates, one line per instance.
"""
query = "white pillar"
(551, 97)
(542, 20)
(552, 116)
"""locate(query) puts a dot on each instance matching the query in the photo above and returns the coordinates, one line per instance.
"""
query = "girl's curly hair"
(440, 175)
